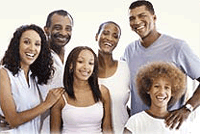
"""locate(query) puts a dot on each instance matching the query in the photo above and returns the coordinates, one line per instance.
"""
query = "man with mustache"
(58, 30)
(154, 46)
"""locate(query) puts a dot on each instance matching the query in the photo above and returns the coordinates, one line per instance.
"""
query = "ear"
(46, 29)
(154, 17)
(96, 37)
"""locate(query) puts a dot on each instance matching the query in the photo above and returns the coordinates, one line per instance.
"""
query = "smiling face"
(108, 37)
(29, 47)
(84, 65)
(142, 21)
(60, 30)
(160, 93)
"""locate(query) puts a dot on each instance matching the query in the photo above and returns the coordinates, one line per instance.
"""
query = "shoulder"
(133, 121)
(136, 122)
(3, 73)
(4, 80)
(176, 42)
(138, 116)
(130, 49)
(132, 45)
(59, 105)
(123, 64)
(104, 92)
(124, 68)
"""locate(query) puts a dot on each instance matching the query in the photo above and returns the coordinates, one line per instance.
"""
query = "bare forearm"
(56, 117)
(195, 99)
(21, 117)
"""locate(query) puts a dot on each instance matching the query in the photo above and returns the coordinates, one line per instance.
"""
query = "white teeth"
(140, 27)
(61, 39)
(108, 44)
(161, 98)
(84, 73)
(30, 54)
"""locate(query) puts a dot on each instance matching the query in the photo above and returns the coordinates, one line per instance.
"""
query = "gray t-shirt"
(165, 48)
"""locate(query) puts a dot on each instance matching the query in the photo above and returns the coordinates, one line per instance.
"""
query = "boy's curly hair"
(150, 72)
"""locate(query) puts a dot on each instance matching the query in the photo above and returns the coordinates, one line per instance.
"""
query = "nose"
(32, 46)
(137, 21)
(86, 65)
(162, 89)
(64, 32)
(109, 37)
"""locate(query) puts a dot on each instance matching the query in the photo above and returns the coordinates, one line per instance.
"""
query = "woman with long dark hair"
(26, 63)
(85, 107)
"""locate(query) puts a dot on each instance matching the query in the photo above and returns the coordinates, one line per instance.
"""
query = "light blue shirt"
(165, 48)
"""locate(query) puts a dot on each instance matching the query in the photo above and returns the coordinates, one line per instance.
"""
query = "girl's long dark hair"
(69, 73)
(42, 67)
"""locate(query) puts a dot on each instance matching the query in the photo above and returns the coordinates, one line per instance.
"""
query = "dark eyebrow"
(68, 25)
(57, 25)
(142, 14)
(26, 38)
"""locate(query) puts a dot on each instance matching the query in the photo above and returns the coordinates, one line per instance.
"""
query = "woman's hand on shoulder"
(54, 95)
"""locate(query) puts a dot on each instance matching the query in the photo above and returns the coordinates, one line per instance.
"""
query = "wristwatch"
(189, 107)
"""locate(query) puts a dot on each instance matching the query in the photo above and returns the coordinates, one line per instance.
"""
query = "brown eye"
(68, 28)
(131, 18)
(91, 63)
(116, 36)
(57, 27)
(142, 15)
(80, 61)
(37, 44)
(26, 42)
(167, 87)
(105, 32)
(156, 86)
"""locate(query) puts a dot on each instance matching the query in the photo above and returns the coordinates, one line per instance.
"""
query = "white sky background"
(179, 18)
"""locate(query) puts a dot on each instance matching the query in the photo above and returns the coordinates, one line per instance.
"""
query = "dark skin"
(107, 66)
(59, 33)
(140, 17)
(109, 34)
(59, 50)
(181, 114)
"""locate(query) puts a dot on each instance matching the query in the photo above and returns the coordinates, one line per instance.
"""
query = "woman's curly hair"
(150, 72)
(42, 67)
